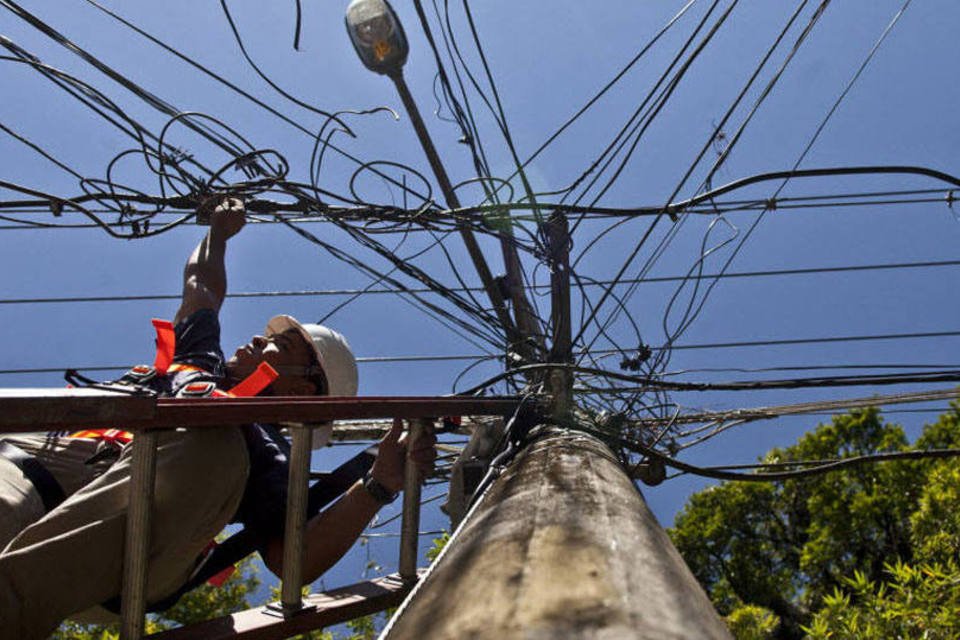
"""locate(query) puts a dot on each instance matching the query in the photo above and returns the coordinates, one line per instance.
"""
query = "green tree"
(200, 604)
(921, 601)
(208, 602)
(786, 551)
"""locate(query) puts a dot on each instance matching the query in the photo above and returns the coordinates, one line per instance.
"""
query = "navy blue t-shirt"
(265, 495)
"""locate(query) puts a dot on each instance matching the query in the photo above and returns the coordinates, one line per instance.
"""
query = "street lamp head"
(377, 35)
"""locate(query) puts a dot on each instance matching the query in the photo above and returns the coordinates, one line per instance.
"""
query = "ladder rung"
(322, 610)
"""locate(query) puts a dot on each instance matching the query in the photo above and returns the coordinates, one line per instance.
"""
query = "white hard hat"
(332, 350)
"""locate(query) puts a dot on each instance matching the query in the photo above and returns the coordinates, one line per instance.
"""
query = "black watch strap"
(377, 491)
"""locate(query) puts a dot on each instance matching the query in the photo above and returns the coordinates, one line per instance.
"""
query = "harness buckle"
(197, 390)
(141, 373)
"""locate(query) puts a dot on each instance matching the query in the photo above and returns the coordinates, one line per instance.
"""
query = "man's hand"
(227, 217)
(392, 453)
(332, 532)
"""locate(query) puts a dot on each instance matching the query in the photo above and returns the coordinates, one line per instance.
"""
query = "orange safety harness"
(163, 365)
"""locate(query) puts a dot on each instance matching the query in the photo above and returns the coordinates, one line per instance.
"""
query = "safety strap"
(253, 384)
(114, 436)
(166, 345)
(222, 558)
(51, 493)
(244, 542)
(327, 489)
(323, 492)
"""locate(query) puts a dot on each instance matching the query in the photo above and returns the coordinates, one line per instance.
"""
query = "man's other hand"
(392, 453)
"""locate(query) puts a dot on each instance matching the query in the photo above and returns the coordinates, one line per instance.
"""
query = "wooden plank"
(324, 610)
(53, 409)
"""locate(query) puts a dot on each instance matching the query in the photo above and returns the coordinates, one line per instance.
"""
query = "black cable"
(676, 207)
(736, 137)
(222, 80)
(740, 385)
(719, 474)
(823, 340)
(679, 207)
(40, 150)
(265, 78)
(610, 84)
(692, 309)
(759, 343)
(641, 114)
(137, 90)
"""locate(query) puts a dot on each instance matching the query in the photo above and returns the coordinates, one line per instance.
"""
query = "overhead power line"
(824, 340)
(352, 292)
(801, 408)
(479, 357)
(720, 473)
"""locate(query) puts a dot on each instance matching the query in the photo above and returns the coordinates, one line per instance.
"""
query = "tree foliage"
(234, 595)
(207, 602)
(921, 601)
(200, 604)
(845, 550)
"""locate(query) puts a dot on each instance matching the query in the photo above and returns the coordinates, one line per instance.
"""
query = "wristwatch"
(377, 491)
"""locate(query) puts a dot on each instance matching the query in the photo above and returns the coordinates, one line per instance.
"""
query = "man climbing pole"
(64, 497)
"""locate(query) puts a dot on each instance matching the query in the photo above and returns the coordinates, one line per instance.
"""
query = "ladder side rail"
(410, 526)
(136, 548)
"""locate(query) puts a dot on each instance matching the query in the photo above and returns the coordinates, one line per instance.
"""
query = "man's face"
(286, 352)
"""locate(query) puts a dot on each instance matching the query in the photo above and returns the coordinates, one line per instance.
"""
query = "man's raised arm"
(205, 276)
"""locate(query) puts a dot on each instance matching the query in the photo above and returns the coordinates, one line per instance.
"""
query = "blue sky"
(548, 60)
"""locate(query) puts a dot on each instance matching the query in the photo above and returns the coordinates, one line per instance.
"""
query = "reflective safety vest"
(163, 365)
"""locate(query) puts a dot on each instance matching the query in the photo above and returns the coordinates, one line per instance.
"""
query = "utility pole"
(560, 379)
(562, 545)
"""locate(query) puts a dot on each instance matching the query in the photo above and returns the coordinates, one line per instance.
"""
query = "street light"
(378, 37)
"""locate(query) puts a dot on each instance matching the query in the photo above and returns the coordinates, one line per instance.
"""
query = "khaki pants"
(70, 559)
(69, 460)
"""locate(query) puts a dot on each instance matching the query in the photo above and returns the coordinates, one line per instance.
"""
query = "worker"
(63, 500)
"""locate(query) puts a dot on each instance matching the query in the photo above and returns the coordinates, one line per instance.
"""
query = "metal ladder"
(24, 410)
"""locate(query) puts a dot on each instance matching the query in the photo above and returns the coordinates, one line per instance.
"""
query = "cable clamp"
(503, 285)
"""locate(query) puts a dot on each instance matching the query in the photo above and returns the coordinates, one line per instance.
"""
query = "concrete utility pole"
(562, 545)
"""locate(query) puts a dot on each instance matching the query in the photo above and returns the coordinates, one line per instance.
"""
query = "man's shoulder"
(200, 320)
(198, 341)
